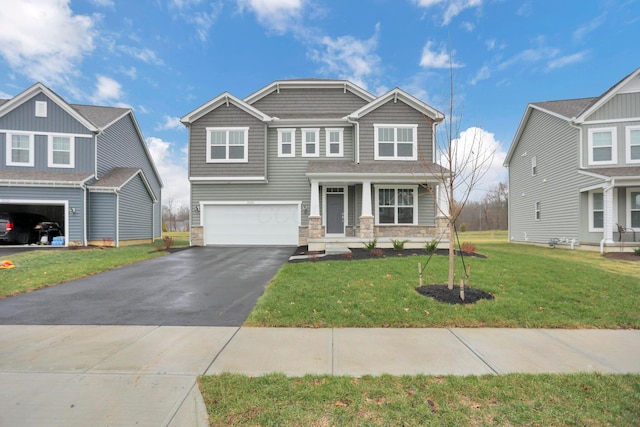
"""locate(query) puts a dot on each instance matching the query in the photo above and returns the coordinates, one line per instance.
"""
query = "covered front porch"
(353, 204)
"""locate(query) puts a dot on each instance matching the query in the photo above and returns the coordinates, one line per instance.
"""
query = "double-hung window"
(19, 149)
(633, 201)
(334, 142)
(311, 142)
(396, 205)
(61, 151)
(534, 166)
(395, 142)
(596, 211)
(633, 144)
(537, 211)
(286, 142)
(602, 146)
(227, 145)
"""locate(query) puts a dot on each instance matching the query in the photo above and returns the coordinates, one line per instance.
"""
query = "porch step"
(336, 248)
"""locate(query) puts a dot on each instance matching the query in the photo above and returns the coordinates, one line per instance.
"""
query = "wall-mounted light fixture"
(305, 209)
(196, 208)
(72, 211)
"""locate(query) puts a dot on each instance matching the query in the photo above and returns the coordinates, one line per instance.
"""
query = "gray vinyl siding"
(102, 216)
(226, 116)
(556, 186)
(57, 120)
(135, 211)
(396, 113)
(120, 146)
(310, 102)
(621, 106)
(621, 143)
(74, 196)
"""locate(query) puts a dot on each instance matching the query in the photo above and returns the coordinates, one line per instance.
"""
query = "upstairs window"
(537, 211)
(227, 145)
(61, 152)
(596, 211)
(602, 146)
(334, 142)
(633, 144)
(396, 206)
(395, 142)
(310, 142)
(534, 166)
(19, 149)
(286, 142)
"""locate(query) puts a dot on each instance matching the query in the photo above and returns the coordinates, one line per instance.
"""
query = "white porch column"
(441, 199)
(608, 214)
(366, 198)
(315, 199)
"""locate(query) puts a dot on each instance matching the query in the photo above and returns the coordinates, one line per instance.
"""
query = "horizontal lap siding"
(135, 211)
(396, 113)
(226, 116)
(102, 216)
(310, 102)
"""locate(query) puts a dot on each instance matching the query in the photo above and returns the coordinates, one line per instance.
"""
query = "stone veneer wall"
(366, 227)
(303, 234)
(405, 231)
(197, 235)
(316, 230)
(442, 227)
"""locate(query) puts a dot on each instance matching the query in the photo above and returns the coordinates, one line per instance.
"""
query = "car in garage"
(20, 227)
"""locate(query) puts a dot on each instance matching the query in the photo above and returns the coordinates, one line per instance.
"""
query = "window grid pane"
(598, 220)
(218, 137)
(601, 139)
(602, 154)
(598, 201)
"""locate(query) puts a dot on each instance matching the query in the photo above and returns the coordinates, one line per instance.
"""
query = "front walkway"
(146, 375)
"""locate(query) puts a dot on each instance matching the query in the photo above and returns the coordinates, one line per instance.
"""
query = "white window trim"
(537, 210)
(282, 131)
(245, 159)
(304, 142)
(628, 130)
(534, 166)
(72, 151)
(414, 151)
(628, 207)
(614, 146)
(395, 187)
(591, 211)
(9, 145)
(340, 143)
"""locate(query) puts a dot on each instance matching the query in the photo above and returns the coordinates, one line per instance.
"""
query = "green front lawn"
(536, 400)
(533, 287)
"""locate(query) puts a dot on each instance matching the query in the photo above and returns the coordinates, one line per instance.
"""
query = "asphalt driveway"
(200, 286)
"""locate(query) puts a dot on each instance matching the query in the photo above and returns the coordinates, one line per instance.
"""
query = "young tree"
(464, 160)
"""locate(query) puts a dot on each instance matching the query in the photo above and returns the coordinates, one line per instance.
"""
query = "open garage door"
(25, 216)
(251, 224)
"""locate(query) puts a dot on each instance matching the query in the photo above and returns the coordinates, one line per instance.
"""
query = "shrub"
(431, 246)
(468, 248)
(463, 227)
(347, 255)
(637, 251)
(377, 253)
(167, 242)
(398, 245)
(371, 244)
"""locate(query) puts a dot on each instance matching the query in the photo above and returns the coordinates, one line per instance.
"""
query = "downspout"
(580, 149)
(356, 140)
(85, 240)
(117, 242)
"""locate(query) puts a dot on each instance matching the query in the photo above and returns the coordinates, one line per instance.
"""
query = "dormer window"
(396, 142)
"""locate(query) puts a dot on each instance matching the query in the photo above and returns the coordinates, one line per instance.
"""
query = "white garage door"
(251, 224)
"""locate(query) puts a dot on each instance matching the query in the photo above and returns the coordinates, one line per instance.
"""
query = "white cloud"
(587, 28)
(483, 74)
(172, 166)
(432, 59)
(107, 91)
(567, 60)
(143, 54)
(530, 56)
(4, 95)
(103, 3)
(276, 15)
(481, 145)
(44, 39)
(201, 14)
(170, 123)
(452, 8)
(349, 58)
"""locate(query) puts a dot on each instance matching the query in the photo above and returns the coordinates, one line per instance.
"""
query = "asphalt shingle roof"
(115, 178)
(616, 172)
(44, 176)
(568, 108)
(390, 167)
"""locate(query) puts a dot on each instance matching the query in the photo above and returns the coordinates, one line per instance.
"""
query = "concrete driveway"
(203, 286)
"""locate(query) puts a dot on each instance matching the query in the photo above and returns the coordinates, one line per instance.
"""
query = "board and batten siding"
(396, 113)
(621, 143)
(556, 185)
(310, 102)
(102, 216)
(226, 116)
(23, 118)
(120, 146)
(74, 197)
(135, 211)
(621, 106)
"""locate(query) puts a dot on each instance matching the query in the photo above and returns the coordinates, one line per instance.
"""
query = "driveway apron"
(200, 286)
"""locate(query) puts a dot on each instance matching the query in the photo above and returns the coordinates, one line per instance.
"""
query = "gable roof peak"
(394, 95)
(309, 83)
(222, 99)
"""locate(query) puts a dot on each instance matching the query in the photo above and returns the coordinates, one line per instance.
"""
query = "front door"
(335, 213)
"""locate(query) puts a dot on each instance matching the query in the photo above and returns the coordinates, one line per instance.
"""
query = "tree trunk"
(452, 254)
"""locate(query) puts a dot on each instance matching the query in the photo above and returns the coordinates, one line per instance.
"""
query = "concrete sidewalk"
(146, 375)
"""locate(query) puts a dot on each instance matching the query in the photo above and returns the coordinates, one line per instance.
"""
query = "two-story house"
(574, 169)
(313, 161)
(85, 167)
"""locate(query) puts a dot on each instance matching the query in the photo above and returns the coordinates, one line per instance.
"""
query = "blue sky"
(164, 58)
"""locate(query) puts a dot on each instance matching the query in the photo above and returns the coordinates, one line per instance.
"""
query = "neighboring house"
(86, 167)
(313, 162)
(574, 169)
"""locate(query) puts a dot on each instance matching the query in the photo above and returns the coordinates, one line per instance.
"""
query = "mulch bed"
(358, 254)
(443, 294)
(625, 256)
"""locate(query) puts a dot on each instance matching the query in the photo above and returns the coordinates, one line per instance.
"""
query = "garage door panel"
(255, 224)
